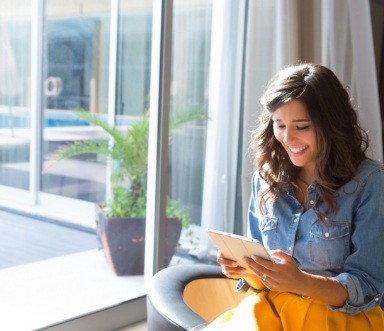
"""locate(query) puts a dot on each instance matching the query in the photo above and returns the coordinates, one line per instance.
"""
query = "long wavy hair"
(341, 142)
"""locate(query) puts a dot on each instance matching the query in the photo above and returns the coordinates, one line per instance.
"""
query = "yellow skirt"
(278, 311)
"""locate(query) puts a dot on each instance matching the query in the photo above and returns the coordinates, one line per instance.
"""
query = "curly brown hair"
(341, 142)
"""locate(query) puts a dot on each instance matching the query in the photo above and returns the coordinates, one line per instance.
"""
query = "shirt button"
(312, 202)
(296, 220)
(326, 234)
(290, 248)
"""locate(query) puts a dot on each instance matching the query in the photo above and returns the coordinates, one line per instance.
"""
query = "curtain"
(347, 48)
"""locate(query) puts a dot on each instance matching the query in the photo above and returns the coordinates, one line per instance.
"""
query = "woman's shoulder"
(258, 182)
(256, 179)
(370, 168)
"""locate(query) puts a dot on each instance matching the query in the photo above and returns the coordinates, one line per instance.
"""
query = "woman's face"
(294, 130)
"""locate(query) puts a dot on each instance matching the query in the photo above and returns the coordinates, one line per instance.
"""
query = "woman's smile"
(297, 150)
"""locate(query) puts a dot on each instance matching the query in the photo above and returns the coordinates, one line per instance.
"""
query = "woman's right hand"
(232, 270)
(229, 267)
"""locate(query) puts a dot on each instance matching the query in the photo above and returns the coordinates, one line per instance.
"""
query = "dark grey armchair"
(187, 297)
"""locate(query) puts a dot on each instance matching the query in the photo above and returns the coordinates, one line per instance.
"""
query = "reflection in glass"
(191, 46)
(15, 27)
(76, 55)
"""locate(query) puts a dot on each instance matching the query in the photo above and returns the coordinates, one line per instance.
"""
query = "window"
(81, 56)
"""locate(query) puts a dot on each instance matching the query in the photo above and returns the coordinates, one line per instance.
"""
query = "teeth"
(296, 150)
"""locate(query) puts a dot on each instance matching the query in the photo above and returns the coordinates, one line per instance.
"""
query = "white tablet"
(236, 247)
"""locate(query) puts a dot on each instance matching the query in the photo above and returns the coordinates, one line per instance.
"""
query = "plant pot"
(123, 242)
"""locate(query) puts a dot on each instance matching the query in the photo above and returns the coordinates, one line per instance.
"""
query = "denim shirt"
(349, 248)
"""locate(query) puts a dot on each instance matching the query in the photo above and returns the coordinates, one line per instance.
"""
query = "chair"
(188, 297)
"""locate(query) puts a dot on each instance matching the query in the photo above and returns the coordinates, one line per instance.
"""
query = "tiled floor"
(25, 239)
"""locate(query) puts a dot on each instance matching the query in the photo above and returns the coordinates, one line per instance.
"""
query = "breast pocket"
(268, 229)
(329, 243)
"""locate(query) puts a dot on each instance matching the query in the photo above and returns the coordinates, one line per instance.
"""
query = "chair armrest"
(166, 309)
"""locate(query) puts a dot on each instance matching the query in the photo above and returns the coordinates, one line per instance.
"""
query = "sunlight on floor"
(136, 327)
(82, 279)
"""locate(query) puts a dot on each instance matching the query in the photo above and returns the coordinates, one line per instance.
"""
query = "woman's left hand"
(281, 275)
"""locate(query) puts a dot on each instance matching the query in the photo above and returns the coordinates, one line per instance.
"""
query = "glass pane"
(77, 77)
(76, 61)
(134, 59)
(123, 220)
(189, 99)
(15, 35)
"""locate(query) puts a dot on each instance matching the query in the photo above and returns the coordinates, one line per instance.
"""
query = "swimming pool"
(51, 120)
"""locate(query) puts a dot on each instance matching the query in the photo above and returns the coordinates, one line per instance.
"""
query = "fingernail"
(234, 264)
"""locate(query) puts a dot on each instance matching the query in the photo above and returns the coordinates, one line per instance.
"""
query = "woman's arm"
(283, 275)
(325, 289)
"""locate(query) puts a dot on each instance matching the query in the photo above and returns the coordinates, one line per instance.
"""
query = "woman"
(317, 205)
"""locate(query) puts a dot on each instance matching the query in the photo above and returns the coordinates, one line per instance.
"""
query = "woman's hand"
(282, 275)
(229, 267)
(232, 270)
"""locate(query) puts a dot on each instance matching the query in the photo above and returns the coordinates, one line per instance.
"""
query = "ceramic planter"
(123, 242)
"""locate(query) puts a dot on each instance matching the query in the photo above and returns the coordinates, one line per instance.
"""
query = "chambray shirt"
(349, 248)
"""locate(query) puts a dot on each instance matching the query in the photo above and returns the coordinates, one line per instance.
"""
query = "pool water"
(17, 121)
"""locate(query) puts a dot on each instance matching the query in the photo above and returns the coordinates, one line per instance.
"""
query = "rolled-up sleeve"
(358, 300)
(363, 275)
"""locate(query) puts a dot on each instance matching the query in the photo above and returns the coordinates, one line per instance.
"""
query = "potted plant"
(120, 222)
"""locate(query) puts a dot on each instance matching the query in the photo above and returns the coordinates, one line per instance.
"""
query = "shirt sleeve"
(363, 275)
(253, 215)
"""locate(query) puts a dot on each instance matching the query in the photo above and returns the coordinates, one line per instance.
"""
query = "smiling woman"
(316, 206)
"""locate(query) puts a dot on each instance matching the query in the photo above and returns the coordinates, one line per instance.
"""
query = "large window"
(73, 42)
(58, 57)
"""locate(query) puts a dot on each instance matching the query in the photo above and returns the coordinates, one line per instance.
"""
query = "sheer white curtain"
(347, 48)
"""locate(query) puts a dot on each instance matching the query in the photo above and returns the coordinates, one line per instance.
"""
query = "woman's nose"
(288, 137)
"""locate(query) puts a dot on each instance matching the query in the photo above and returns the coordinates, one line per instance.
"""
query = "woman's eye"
(305, 127)
(279, 126)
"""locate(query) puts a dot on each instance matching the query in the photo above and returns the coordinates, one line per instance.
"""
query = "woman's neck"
(306, 176)
(304, 180)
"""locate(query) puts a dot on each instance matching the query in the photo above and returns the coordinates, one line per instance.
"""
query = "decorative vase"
(123, 242)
